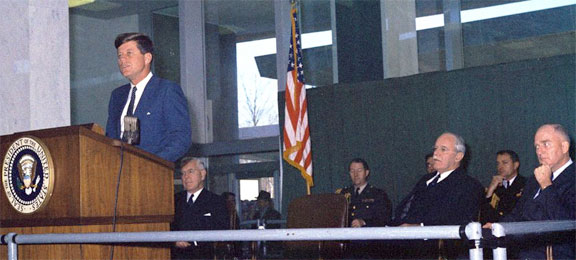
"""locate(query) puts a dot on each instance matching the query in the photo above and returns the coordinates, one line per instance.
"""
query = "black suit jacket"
(208, 212)
(508, 199)
(401, 211)
(556, 202)
(455, 200)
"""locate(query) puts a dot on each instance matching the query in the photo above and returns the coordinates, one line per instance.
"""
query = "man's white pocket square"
(208, 214)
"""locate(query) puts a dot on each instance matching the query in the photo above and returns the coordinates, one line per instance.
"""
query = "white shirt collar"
(512, 180)
(361, 188)
(561, 169)
(443, 176)
(141, 86)
(196, 194)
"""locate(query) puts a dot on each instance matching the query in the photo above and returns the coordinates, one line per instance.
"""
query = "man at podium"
(149, 112)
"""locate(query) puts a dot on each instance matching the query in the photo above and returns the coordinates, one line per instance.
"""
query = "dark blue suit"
(556, 202)
(165, 128)
(455, 200)
(208, 212)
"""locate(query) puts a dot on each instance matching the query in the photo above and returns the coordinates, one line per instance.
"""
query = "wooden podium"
(86, 166)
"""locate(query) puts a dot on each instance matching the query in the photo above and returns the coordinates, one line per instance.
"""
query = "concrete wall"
(35, 67)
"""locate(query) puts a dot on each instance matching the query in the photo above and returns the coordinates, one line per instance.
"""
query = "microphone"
(131, 133)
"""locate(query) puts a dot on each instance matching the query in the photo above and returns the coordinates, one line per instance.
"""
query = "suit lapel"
(120, 102)
(567, 176)
(517, 185)
(198, 203)
(147, 98)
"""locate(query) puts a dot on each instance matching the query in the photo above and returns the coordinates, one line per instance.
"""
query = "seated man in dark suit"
(197, 209)
(550, 195)
(404, 206)
(449, 197)
(505, 188)
(158, 104)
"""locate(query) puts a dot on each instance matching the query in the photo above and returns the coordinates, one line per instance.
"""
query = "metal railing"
(472, 231)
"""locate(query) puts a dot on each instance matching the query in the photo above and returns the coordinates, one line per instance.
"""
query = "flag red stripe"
(296, 132)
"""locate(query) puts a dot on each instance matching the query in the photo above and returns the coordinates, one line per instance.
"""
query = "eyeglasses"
(191, 171)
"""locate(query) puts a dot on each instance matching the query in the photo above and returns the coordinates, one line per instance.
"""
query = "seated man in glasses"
(197, 209)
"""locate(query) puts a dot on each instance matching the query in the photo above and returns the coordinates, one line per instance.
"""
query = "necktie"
(505, 184)
(357, 192)
(191, 200)
(434, 181)
(130, 111)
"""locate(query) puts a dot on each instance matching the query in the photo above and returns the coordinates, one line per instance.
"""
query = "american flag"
(297, 148)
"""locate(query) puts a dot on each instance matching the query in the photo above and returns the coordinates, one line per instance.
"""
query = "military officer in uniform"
(505, 188)
(368, 206)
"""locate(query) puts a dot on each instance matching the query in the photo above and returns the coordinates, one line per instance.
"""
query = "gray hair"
(558, 129)
(185, 160)
(460, 144)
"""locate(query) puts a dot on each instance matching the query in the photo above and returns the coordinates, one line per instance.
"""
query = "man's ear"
(459, 156)
(148, 58)
(565, 147)
(203, 173)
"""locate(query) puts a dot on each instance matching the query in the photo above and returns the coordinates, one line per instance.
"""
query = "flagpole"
(293, 3)
(296, 148)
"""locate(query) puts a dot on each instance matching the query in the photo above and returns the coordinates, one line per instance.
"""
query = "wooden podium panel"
(86, 168)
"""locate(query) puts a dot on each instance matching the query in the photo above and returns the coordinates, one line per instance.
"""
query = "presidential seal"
(28, 174)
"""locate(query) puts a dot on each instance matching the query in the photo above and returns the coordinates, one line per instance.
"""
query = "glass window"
(249, 190)
(512, 31)
(430, 35)
(497, 31)
(257, 95)
(241, 95)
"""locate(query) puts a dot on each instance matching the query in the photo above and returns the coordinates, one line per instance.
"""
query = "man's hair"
(513, 155)
(559, 129)
(144, 43)
(460, 144)
(187, 159)
(430, 155)
(359, 160)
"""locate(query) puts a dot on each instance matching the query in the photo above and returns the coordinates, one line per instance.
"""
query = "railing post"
(12, 246)
(474, 232)
(499, 252)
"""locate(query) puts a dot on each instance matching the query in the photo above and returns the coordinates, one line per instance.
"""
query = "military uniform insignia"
(346, 194)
